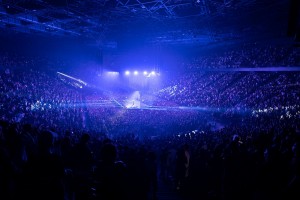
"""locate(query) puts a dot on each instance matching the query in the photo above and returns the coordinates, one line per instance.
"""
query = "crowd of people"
(249, 55)
(70, 143)
(34, 97)
(257, 158)
(239, 91)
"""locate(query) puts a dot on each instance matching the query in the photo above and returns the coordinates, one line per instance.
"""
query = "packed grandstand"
(241, 128)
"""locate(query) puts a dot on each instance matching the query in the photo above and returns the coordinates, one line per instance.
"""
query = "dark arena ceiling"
(176, 22)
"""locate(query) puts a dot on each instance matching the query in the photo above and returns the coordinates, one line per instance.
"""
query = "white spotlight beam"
(72, 78)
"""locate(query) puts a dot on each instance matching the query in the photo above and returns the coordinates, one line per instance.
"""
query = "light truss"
(168, 6)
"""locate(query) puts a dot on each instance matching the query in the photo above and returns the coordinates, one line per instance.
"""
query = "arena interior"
(149, 99)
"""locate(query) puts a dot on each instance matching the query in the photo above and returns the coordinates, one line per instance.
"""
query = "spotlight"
(127, 73)
(136, 72)
(153, 73)
(145, 72)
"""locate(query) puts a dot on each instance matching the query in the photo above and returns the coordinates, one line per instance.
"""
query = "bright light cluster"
(145, 73)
